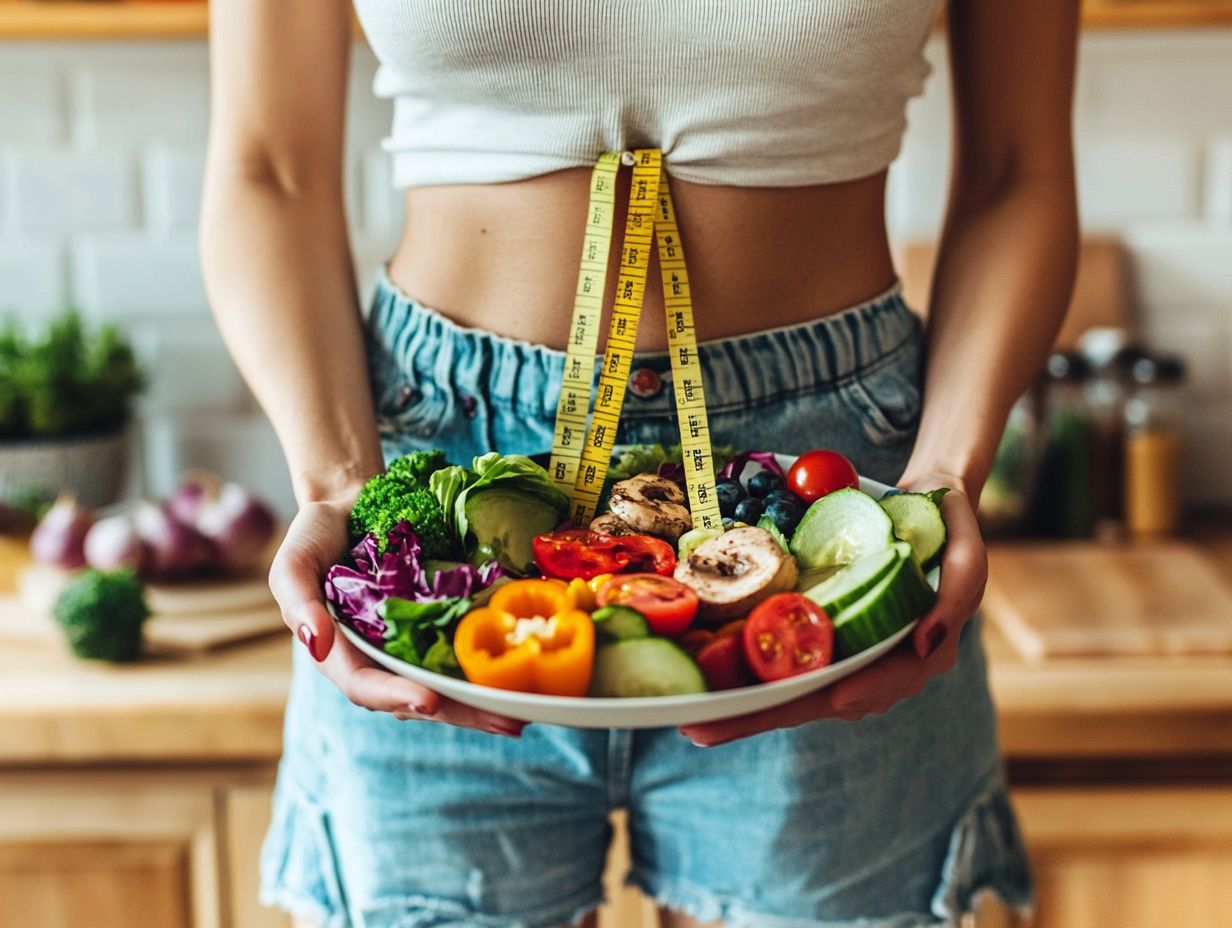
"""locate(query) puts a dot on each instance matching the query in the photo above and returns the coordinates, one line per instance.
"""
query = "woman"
(876, 802)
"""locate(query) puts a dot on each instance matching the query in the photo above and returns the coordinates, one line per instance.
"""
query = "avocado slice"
(505, 521)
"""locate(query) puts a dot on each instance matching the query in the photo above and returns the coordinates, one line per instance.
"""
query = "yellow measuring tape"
(580, 457)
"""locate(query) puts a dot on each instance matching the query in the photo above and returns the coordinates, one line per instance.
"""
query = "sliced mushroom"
(611, 524)
(651, 505)
(737, 570)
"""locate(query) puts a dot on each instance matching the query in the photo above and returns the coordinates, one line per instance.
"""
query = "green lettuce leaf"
(414, 629)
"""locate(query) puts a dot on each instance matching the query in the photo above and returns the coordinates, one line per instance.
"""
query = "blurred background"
(137, 794)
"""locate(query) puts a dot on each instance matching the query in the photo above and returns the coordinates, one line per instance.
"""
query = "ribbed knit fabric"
(740, 92)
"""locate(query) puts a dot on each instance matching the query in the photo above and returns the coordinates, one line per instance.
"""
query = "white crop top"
(759, 93)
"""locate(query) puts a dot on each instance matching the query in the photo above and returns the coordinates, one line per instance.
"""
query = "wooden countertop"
(227, 706)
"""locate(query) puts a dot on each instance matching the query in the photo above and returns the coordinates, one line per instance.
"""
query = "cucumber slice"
(900, 597)
(839, 528)
(645, 667)
(917, 521)
(857, 578)
(620, 623)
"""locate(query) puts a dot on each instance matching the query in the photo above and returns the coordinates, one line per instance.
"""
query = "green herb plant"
(70, 380)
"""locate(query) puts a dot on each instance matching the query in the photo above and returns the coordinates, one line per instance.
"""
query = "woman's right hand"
(314, 539)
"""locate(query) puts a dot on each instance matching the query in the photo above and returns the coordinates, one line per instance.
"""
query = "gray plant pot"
(91, 466)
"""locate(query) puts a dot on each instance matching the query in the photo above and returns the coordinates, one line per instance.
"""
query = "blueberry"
(786, 496)
(786, 515)
(763, 482)
(729, 492)
(728, 522)
(749, 511)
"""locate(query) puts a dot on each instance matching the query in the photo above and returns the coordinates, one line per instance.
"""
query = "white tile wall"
(101, 155)
(64, 190)
(138, 274)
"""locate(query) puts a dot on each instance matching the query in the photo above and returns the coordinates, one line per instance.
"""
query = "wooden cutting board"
(1070, 599)
(192, 616)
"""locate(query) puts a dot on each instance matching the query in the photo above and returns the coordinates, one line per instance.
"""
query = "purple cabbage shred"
(735, 467)
(399, 571)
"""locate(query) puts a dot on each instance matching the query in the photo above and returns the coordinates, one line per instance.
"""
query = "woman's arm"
(273, 233)
(278, 273)
(1003, 279)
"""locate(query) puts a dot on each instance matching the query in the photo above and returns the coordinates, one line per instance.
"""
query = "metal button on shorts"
(645, 383)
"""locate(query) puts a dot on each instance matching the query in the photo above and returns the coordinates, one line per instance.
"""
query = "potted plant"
(66, 400)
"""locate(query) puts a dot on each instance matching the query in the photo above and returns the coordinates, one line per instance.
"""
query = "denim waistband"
(740, 370)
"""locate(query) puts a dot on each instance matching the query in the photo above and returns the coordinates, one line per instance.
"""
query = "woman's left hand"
(931, 650)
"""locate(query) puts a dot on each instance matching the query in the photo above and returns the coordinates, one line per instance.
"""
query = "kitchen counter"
(227, 706)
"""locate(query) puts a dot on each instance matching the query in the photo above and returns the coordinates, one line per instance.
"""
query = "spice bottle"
(1152, 446)
(1109, 354)
(1063, 499)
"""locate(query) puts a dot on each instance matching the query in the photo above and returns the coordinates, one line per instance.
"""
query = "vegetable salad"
(474, 572)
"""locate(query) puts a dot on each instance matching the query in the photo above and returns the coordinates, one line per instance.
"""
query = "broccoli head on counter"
(102, 612)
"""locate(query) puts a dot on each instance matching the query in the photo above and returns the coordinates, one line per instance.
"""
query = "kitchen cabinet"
(120, 850)
(1133, 857)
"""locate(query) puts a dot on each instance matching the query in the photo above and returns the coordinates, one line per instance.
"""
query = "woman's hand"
(316, 535)
(903, 672)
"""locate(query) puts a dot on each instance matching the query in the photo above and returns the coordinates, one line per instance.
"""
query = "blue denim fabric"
(896, 821)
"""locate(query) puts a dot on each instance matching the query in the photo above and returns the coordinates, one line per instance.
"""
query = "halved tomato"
(787, 634)
(668, 605)
(578, 553)
(645, 554)
(575, 552)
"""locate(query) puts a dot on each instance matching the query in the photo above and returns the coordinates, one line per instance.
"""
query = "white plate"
(639, 712)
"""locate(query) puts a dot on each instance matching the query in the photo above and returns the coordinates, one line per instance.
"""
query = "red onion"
(195, 487)
(238, 523)
(113, 542)
(175, 548)
(59, 537)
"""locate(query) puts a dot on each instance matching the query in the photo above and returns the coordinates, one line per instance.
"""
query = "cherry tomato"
(578, 553)
(668, 605)
(723, 664)
(787, 634)
(819, 472)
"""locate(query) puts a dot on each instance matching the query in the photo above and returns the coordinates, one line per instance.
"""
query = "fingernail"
(510, 729)
(935, 639)
(424, 709)
(309, 639)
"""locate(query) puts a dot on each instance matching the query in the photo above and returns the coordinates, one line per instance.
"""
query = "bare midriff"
(504, 257)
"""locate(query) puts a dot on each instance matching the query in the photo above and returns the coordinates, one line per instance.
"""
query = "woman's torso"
(504, 257)
(776, 118)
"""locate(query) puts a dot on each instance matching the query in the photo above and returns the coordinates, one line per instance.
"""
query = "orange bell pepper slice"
(529, 638)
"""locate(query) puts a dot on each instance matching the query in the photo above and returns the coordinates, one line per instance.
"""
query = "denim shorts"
(895, 821)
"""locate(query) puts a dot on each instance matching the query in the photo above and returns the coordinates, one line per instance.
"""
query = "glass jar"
(1109, 355)
(1005, 503)
(1063, 498)
(1153, 447)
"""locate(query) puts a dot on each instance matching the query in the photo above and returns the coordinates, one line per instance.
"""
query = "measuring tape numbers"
(650, 221)
(573, 408)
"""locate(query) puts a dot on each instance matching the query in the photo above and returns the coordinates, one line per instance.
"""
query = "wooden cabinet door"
(1142, 857)
(106, 851)
(246, 816)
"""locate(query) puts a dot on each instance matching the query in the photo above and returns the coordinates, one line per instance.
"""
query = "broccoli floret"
(387, 500)
(417, 466)
(102, 612)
